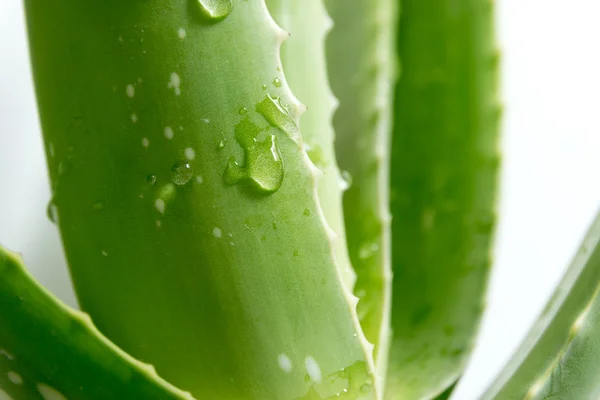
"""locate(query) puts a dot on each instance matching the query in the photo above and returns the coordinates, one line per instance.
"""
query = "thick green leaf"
(560, 357)
(303, 60)
(361, 63)
(443, 183)
(186, 203)
(52, 352)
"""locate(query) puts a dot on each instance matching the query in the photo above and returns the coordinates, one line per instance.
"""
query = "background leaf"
(443, 190)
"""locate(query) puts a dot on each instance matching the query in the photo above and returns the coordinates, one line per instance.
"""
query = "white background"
(550, 183)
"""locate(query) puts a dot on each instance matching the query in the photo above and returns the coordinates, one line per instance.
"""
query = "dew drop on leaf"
(264, 166)
(52, 212)
(181, 173)
(216, 10)
(151, 179)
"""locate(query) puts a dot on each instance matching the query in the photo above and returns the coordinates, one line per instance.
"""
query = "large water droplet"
(264, 166)
(278, 116)
(181, 173)
(216, 10)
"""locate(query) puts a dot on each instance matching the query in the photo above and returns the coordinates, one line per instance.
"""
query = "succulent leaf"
(303, 60)
(443, 190)
(52, 352)
(560, 357)
(186, 203)
(362, 69)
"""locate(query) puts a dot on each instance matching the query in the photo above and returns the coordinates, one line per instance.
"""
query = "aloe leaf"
(186, 203)
(362, 70)
(50, 351)
(303, 60)
(560, 357)
(443, 190)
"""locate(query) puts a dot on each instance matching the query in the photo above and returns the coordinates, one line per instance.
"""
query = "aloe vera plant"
(212, 237)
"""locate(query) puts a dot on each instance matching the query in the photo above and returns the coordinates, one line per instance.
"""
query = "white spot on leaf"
(130, 90)
(181, 33)
(145, 142)
(49, 393)
(284, 363)
(217, 232)
(14, 377)
(190, 154)
(7, 354)
(134, 118)
(199, 179)
(175, 83)
(313, 369)
(160, 205)
(168, 132)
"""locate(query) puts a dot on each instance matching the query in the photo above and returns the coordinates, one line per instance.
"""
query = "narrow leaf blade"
(47, 347)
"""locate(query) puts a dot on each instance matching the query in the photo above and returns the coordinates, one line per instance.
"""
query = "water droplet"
(169, 132)
(264, 166)
(279, 117)
(104, 253)
(277, 82)
(243, 110)
(216, 10)
(306, 212)
(181, 33)
(145, 142)
(199, 179)
(98, 206)
(181, 173)
(217, 232)
(151, 179)
(264, 87)
(52, 212)
(346, 180)
(221, 144)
